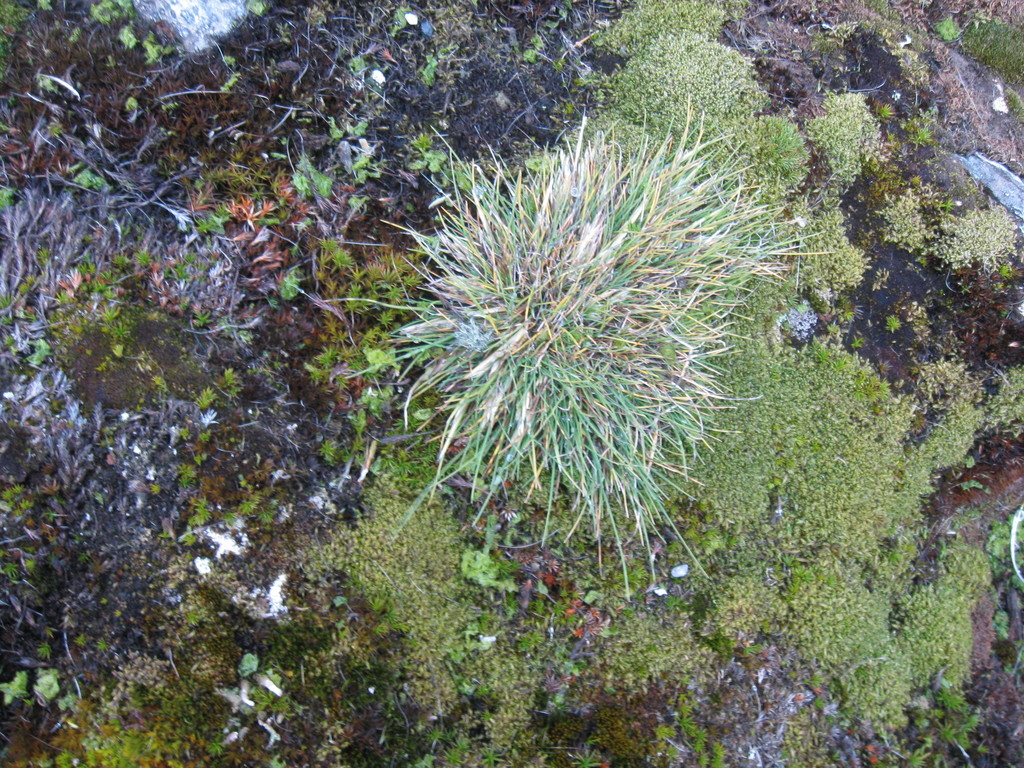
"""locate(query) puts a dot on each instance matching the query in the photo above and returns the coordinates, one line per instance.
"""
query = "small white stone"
(243, 695)
(1000, 105)
(225, 544)
(203, 565)
(269, 684)
(371, 689)
(488, 639)
(660, 591)
(412, 19)
(680, 571)
(378, 77)
(276, 596)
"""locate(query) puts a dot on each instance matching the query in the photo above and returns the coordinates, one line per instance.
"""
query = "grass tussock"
(578, 312)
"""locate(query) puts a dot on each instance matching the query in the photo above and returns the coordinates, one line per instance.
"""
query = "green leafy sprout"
(578, 312)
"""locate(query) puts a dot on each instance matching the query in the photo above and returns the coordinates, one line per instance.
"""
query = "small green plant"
(428, 73)
(109, 11)
(308, 181)
(127, 37)
(154, 51)
(588, 759)
(213, 222)
(947, 29)
(41, 352)
(478, 566)
(291, 284)
(86, 177)
(206, 398)
(532, 54)
(16, 688)
(919, 134)
(578, 313)
(229, 384)
(425, 157)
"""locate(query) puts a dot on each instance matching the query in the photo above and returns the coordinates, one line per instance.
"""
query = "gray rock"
(195, 22)
(680, 571)
(1004, 185)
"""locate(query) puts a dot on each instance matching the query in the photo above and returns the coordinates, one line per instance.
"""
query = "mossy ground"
(190, 359)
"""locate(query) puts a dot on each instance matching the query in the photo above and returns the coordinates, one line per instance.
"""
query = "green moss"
(502, 681)
(997, 45)
(877, 688)
(12, 16)
(843, 626)
(829, 261)
(816, 467)
(806, 743)
(744, 606)
(213, 653)
(811, 453)
(410, 564)
(1016, 104)
(946, 383)
(679, 76)
(834, 619)
(947, 443)
(1006, 407)
(650, 18)
(104, 740)
(979, 238)
(847, 134)
(775, 154)
(905, 222)
(642, 649)
(936, 635)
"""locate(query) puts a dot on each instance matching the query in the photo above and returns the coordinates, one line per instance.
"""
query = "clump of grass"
(578, 311)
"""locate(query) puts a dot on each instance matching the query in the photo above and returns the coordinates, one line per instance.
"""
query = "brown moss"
(617, 733)
(129, 360)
